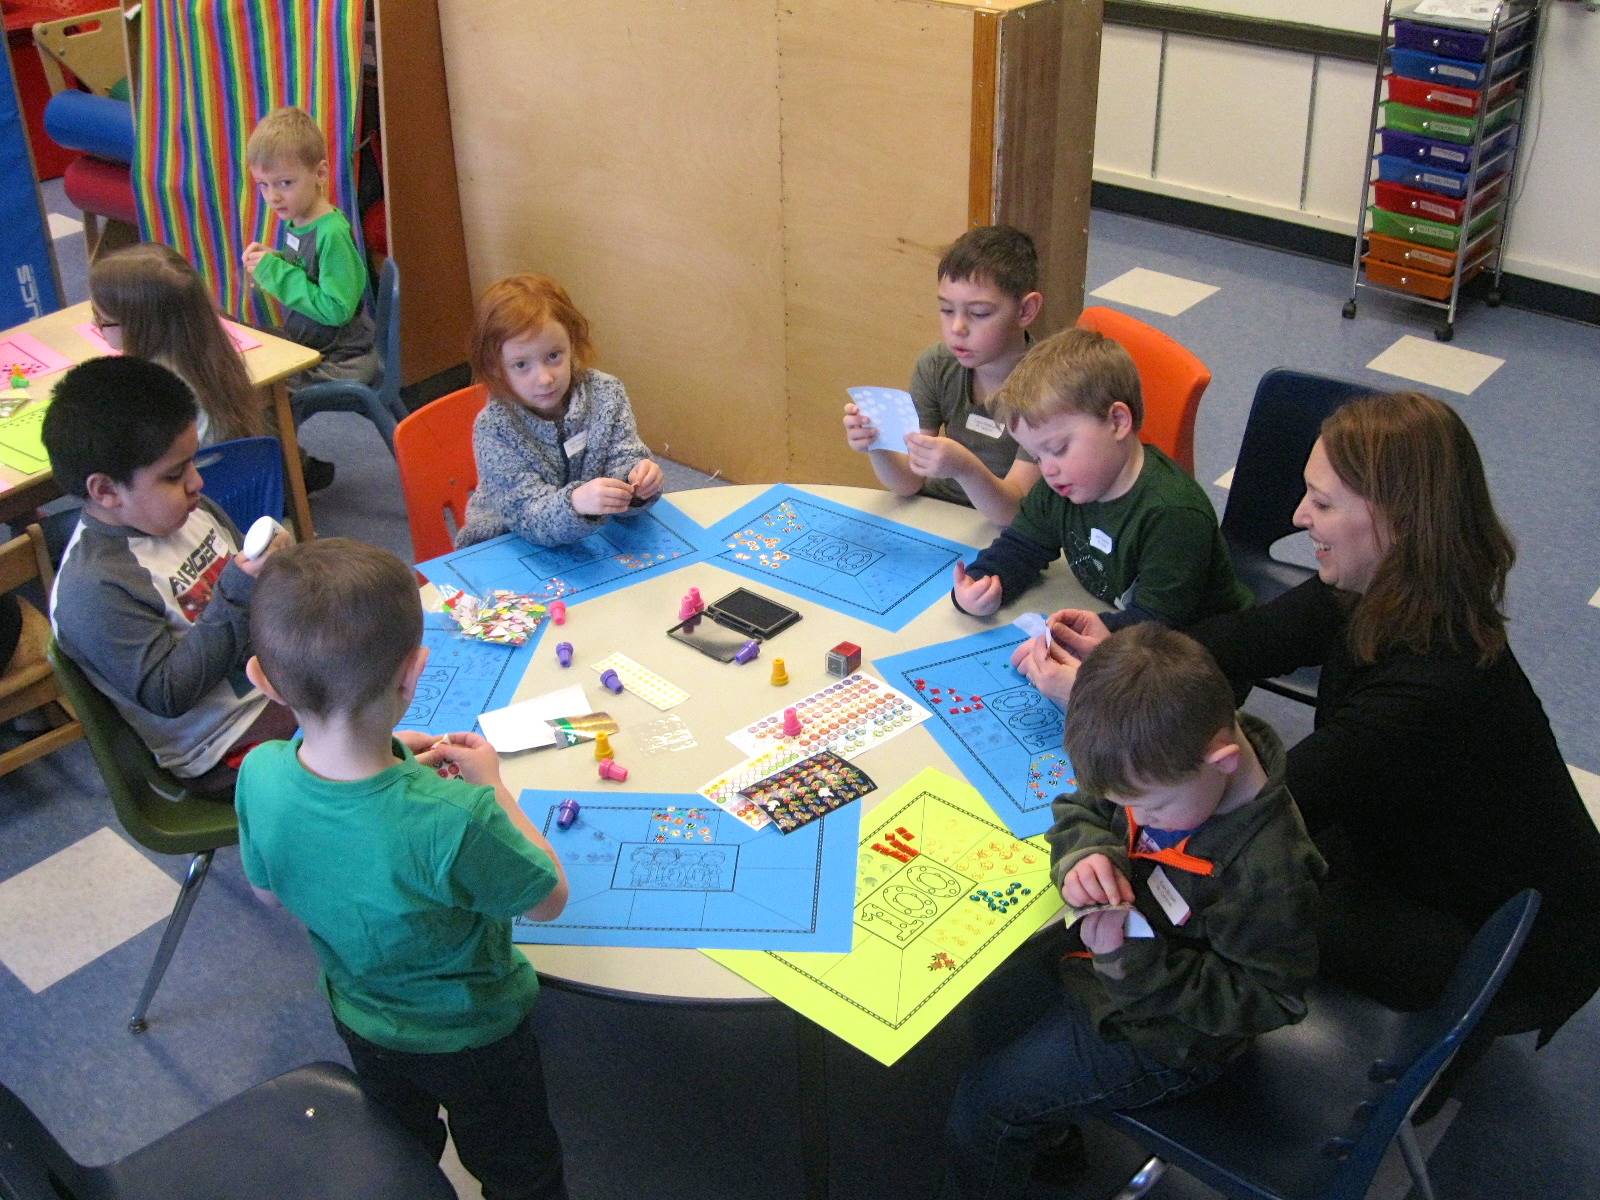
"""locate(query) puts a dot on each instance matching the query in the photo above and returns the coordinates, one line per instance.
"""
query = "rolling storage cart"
(1442, 161)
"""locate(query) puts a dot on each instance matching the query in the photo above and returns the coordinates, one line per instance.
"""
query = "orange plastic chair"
(433, 449)
(1171, 378)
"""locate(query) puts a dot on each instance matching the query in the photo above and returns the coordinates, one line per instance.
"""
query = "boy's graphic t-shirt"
(161, 627)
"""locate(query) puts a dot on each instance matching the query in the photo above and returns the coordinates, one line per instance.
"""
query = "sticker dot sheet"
(891, 412)
(849, 717)
(642, 681)
(724, 791)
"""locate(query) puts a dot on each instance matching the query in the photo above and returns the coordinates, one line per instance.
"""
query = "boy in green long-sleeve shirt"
(318, 275)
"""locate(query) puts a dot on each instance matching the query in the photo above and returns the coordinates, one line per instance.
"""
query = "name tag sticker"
(1174, 905)
(979, 423)
(291, 241)
(1100, 540)
(575, 445)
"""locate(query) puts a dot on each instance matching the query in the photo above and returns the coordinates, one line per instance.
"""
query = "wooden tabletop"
(723, 697)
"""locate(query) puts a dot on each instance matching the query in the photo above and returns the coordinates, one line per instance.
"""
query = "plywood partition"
(749, 199)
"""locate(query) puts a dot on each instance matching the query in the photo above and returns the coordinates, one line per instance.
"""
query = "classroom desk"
(723, 697)
(269, 365)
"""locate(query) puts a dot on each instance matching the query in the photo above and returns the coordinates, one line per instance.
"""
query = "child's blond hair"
(1074, 371)
(286, 134)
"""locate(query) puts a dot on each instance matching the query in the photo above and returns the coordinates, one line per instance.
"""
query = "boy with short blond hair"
(1137, 531)
(318, 275)
(1193, 885)
(988, 297)
(406, 859)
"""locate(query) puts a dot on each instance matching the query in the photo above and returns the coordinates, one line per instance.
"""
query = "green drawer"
(1429, 233)
(1448, 126)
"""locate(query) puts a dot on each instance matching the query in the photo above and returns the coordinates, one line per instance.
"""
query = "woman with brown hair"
(1432, 779)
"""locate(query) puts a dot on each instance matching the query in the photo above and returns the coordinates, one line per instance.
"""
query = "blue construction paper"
(862, 565)
(618, 554)
(1009, 746)
(464, 677)
(634, 883)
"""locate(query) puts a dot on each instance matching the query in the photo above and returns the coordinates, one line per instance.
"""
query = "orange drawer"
(1408, 254)
(1421, 283)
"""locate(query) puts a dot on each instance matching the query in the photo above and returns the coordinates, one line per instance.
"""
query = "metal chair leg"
(1415, 1162)
(1147, 1177)
(199, 865)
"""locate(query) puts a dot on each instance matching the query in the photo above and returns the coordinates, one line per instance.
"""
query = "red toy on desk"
(844, 659)
(609, 769)
(692, 605)
(791, 723)
(558, 611)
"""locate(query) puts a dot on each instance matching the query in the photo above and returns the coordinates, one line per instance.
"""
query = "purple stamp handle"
(564, 653)
(609, 680)
(747, 651)
(566, 814)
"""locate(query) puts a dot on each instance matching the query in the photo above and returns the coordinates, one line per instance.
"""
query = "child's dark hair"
(1145, 706)
(112, 416)
(996, 254)
(332, 621)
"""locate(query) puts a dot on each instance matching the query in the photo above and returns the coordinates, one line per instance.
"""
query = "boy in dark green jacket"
(1192, 891)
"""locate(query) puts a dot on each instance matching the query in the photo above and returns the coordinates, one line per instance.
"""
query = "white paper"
(891, 412)
(1469, 10)
(1031, 623)
(526, 724)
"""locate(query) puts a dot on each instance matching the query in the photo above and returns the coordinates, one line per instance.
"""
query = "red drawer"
(1424, 93)
(1419, 202)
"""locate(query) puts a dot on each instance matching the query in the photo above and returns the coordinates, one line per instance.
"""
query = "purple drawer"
(1455, 43)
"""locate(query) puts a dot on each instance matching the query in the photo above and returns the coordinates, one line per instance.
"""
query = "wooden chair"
(34, 685)
(1170, 376)
(433, 449)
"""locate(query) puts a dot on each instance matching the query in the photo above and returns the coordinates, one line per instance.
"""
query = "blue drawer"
(1458, 72)
(1455, 43)
(1394, 169)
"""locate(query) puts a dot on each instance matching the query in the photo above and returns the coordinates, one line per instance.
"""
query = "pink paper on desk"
(241, 337)
(31, 355)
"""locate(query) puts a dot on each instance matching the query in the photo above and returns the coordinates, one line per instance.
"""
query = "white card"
(891, 412)
(526, 724)
(1172, 903)
(979, 423)
(1100, 540)
(576, 444)
(292, 240)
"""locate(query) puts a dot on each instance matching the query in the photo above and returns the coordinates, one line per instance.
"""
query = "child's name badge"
(979, 423)
(292, 241)
(1100, 540)
(1174, 905)
(576, 444)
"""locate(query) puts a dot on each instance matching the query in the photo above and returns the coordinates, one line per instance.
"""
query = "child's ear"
(103, 490)
(1224, 753)
(411, 671)
(322, 173)
(1121, 418)
(257, 675)
(1028, 309)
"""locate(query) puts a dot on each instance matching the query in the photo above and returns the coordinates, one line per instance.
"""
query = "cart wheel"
(1445, 332)
(1349, 310)
(1492, 299)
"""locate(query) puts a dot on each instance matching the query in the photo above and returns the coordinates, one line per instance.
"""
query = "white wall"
(1284, 135)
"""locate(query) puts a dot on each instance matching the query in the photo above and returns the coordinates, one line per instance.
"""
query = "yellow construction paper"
(21, 446)
(921, 942)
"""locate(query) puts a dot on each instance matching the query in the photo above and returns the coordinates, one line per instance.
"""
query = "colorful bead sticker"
(848, 717)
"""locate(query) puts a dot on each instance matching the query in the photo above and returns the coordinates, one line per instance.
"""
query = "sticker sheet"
(22, 440)
(811, 788)
(726, 791)
(642, 681)
(622, 550)
(955, 897)
(673, 871)
(999, 730)
(892, 413)
(463, 677)
(862, 565)
(849, 717)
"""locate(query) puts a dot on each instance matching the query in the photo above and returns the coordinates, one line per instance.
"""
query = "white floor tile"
(1225, 480)
(66, 911)
(1168, 295)
(62, 225)
(1594, 600)
(1589, 788)
(1430, 362)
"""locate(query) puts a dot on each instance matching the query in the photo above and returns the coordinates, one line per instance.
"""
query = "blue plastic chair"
(381, 404)
(1308, 1112)
(1268, 482)
(306, 1135)
(244, 478)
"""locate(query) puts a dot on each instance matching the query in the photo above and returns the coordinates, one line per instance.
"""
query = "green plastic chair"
(154, 807)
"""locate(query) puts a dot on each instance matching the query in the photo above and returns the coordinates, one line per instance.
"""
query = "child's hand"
(253, 254)
(1104, 932)
(252, 566)
(1047, 666)
(1077, 632)
(980, 597)
(471, 756)
(416, 741)
(935, 457)
(645, 478)
(601, 496)
(1096, 880)
(859, 431)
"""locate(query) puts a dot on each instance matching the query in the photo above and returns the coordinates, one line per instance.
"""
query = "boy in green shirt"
(406, 858)
(1137, 531)
(318, 275)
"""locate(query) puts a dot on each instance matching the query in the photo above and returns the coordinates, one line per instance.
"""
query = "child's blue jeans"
(1058, 1072)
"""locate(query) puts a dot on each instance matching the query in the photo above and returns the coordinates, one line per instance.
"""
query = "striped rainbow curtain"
(209, 70)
